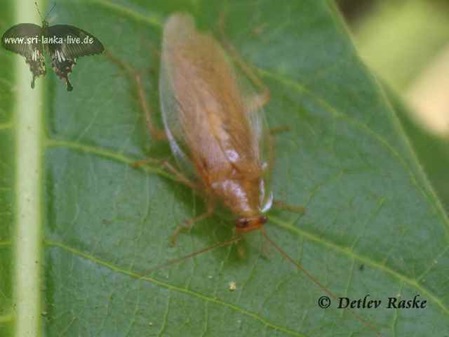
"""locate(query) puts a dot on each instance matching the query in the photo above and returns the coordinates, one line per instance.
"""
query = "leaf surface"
(373, 225)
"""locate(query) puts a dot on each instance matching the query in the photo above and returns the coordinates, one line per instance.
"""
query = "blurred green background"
(406, 44)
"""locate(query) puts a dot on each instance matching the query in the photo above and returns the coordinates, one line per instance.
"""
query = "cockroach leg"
(189, 223)
(257, 101)
(135, 77)
(288, 207)
(146, 161)
(155, 132)
(279, 129)
(165, 164)
(180, 177)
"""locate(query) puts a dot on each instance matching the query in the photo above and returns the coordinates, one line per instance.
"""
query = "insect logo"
(64, 44)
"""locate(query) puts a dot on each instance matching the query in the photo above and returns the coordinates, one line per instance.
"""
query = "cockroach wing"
(173, 129)
(209, 125)
(176, 30)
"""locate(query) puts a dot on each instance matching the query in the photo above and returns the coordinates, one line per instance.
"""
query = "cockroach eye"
(251, 222)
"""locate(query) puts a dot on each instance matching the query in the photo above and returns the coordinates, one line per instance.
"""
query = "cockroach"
(217, 134)
(214, 133)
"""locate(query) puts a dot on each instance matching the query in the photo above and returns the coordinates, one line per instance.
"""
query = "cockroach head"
(248, 224)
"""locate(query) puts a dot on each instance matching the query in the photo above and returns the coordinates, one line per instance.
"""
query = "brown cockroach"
(215, 127)
(214, 133)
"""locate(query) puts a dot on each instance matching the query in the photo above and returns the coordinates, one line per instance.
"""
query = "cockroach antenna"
(232, 240)
(299, 267)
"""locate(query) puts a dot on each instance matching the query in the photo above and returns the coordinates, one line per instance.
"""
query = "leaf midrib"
(28, 129)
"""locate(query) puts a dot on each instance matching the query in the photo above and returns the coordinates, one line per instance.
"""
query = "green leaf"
(431, 150)
(373, 224)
